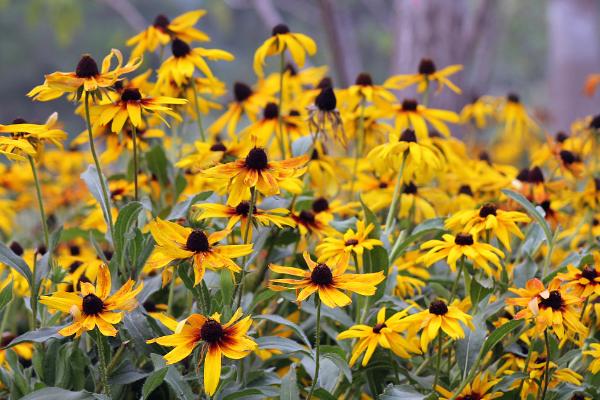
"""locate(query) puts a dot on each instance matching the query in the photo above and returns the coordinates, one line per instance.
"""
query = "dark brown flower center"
(280, 29)
(513, 98)
(364, 79)
(561, 137)
(290, 68)
(19, 121)
(438, 307)
(589, 273)
(326, 100)
(319, 205)
(307, 217)
(472, 396)
(409, 105)
(325, 83)
(218, 147)
(554, 301)
(180, 48)
(351, 242)
(408, 136)
(211, 331)
(314, 155)
(487, 209)
(241, 92)
(271, 111)
(244, 208)
(74, 265)
(74, 250)
(92, 304)
(150, 306)
(131, 94)
(568, 157)
(161, 21)
(197, 242)
(463, 239)
(377, 328)
(6, 338)
(595, 122)
(321, 275)
(17, 248)
(410, 188)
(536, 175)
(383, 185)
(257, 159)
(465, 189)
(86, 67)
(426, 67)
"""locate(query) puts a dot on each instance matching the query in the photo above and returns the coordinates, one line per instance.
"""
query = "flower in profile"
(551, 307)
(517, 122)
(385, 333)
(28, 139)
(86, 77)
(328, 282)
(162, 30)
(257, 171)
(489, 218)
(282, 39)
(310, 222)
(426, 75)
(181, 65)
(438, 316)
(463, 244)
(229, 339)
(176, 242)
(411, 114)
(351, 242)
(365, 90)
(130, 107)
(480, 389)
(594, 366)
(324, 116)
(584, 282)
(94, 306)
(478, 111)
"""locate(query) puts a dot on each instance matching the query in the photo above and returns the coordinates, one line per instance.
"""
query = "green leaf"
(338, 357)
(532, 211)
(301, 145)
(137, 326)
(158, 164)
(42, 268)
(153, 381)
(289, 385)
(181, 209)
(181, 388)
(8, 257)
(433, 225)
(6, 295)
(467, 349)
(371, 219)
(55, 393)
(280, 343)
(124, 225)
(498, 334)
(283, 321)
(401, 392)
(38, 336)
(90, 177)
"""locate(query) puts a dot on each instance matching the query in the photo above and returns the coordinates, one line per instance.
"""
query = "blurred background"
(541, 49)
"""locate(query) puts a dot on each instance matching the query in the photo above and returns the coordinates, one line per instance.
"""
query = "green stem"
(198, 114)
(240, 286)
(359, 143)
(318, 348)
(396, 197)
(102, 347)
(279, 135)
(397, 376)
(135, 161)
(38, 191)
(171, 292)
(547, 369)
(438, 360)
(525, 368)
(106, 199)
(458, 275)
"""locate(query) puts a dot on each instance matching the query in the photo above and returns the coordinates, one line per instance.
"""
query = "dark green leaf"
(401, 392)
(153, 381)
(289, 385)
(125, 224)
(38, 336)
(6, 295)
(532, 211)
(90, 177)
(15, 262)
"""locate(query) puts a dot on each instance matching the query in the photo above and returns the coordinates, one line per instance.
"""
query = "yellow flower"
(594, 366)
(489, 218)
(28, 139)
(332, 248)
(478, 389)
(130, 107)
(162, 30)
(256, 171)
(438, 316)
(584, 282)
(230, 340)
(463, 244)
(426, 75)
(323, 116)
(385, 333)
(176, 242)
(282, 39)
(94, 306)
(327, 281)
(181, 65)
(411, 114)
(517, 122)
(85, 78)
(478, 111)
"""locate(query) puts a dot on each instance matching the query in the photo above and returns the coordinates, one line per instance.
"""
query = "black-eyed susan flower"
(438, 316)
(205, 155)
(426, 75)
(365, 90)
(481, 388)
(324, 117)
(583, 282)
(94, 306)
(176, 242)
(181, 65)
(594, 366)
(551, 307)
(328, 282)
(385, 334)
(282, 39)
(229, 339)
(452, 248)
(478, 112)
(86, 77)
(257, 171)
(411, 114)
(489, 218)
(131, 106)
(28, 139)
(517, 122)
(351, 242)
(162, 30)
(309, 222)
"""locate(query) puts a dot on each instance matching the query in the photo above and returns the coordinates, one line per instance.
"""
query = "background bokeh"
(541, 49)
